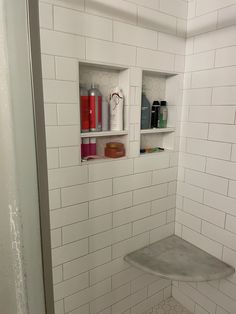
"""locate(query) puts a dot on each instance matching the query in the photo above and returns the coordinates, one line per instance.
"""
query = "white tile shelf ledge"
(176, 259)
(154, 131)
(103, 133)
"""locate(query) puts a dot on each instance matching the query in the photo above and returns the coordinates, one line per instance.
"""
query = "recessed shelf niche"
(106, 77)
(161, 86)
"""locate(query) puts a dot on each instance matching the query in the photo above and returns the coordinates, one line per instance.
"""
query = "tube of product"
(105, 115)
(116, 109)
(95, 109)
(84, 109)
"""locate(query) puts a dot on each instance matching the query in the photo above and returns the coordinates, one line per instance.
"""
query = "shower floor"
(168, 306)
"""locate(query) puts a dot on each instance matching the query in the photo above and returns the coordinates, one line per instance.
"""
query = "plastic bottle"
(155, 114)
(84, 109)
(85, 147)
(145, 112)
(92, 146)
(163, 114)
(116, 100)
(95, 109)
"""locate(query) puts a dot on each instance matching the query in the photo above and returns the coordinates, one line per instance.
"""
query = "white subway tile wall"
(102, 211)
(206, 200)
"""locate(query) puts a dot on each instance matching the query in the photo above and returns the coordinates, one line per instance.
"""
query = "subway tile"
(124, 247)
(69, 156)
(181, 27)
(110, 298)
(223, 133)
(149, 302)
(71, 4)
(87, 295)
(110, 204)
(204, 6)
(68, 114)
(68, 252)
(50, 113)
(226, 16)
(215, 77)
(54, 199)
(66, 69)
(45, 15)
(129, 301)
(133, 35)
(84, 309)
(112, 169)
(133, 182)
(207, 181)
(59, 307)
(57, 274)
(109, 237)
(149, 223)
(68, 215)
(150, 193)
(220, 235)
(210, 246)
(176, 8)
(200, 61)
(202, 24)
(183, 299)
(151, 163)
(225, 56)
(212, 40)
(116, 9)
(190, 191)
(224, 95)
(197, 297)
(131, 214)
(62, 136)
(218, 297)
(86, 192)
(179, 65)
(162, 232)
(193, 162)
(197, 97)
(163, 204)
(85, 263)
(48, 67)
(212, 114)
(204, 212)
(104, 51)
(209, 148)
(233, 155)
(125, 276)
(75, 22)
(155, 59)
(60, 91)
(104, 271)
(52, 158)
(232, 189)
(71, 286)
(228, 288)
(230, 223)
(195, 130)
(156, 20)
(221, 168)
(142, 281)
(56, 238)
(86, 228)
(164, 175)
(61, 44)
(221, 202)
(158, 285)
(69, 176)
(188, 220)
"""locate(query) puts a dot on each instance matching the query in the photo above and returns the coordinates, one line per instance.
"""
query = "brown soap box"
(114, 150)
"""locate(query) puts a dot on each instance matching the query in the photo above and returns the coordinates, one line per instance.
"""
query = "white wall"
(206, 201)
(89, 271)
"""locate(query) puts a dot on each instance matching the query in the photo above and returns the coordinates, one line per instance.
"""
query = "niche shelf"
(176, 259)
(161, 86)
(106, 77)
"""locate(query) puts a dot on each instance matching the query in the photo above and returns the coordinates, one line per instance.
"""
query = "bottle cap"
(163, 103)
(156, 103)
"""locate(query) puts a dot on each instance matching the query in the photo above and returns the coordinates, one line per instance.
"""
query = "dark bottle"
(155, 114)
(163, 115)
(145, 112)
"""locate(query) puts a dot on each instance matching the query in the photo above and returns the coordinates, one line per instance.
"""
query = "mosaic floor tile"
(168, 306)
